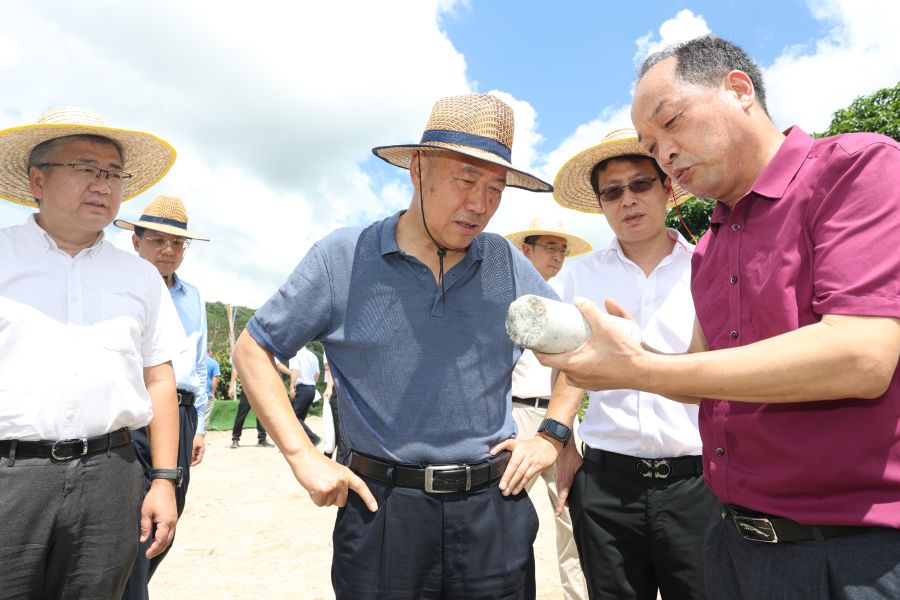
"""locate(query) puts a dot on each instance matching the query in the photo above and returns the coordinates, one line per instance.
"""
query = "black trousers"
(473, 545)
(243, 410)
(636, 535)
(865, 566)
(144, 568)
(303, 399)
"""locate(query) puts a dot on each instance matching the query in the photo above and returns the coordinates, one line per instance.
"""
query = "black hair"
(531, 240)
(632, 158)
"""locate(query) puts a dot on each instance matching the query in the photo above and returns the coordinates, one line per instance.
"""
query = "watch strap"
(174, 474)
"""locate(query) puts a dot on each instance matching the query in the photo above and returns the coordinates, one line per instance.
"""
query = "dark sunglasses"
(638, 186)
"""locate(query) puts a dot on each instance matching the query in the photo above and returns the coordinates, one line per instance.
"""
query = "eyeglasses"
(553, 250)
(638, 186)
(90, 173)
(178, 244)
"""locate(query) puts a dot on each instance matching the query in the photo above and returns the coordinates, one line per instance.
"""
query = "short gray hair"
(706, 60)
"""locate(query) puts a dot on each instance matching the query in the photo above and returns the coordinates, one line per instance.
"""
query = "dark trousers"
(67, 529)
(144, 568)
(636, 535)
(303, 399)
(243, 410)
(473, 545)
(854, 567)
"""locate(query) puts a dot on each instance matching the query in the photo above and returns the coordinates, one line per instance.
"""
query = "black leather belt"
(769, 529)
(535, 402)
(185, 398)
(65, 449)
(436, 479)
(653, 468)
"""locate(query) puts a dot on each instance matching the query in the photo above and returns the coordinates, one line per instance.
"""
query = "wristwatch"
(176, 475)
(556, 430)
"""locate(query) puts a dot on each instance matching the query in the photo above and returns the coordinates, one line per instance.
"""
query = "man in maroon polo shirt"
(796, 344)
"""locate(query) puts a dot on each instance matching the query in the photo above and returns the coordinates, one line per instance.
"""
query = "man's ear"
(36, 179)
(137, 242)
(741, 86)
(527, 250)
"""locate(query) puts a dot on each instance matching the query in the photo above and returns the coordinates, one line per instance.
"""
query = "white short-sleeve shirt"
(306, 364)
(628, 421)
(76, 334)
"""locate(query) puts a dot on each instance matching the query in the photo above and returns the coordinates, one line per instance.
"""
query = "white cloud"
(682, 27)
(859, 55)
(272, 107)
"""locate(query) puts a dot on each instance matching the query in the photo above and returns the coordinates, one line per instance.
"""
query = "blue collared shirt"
(190, 366)
(423, 379)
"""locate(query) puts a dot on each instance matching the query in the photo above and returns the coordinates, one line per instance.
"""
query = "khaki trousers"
(529, 418)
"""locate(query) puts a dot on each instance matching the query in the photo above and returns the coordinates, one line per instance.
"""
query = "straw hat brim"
(147, 157)
(401, 156)
(161, 227)
(576, 245)
(572, 187)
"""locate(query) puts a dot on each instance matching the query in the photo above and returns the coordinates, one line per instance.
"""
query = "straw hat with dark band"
(477, 125)
(544, 226)
(165, 214)
(573, 188)
(146, 156)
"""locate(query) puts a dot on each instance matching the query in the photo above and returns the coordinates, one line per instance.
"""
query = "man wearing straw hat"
(546, 244)
(796, 343)
(161, 237)
(638, 501)
(70, 484)
(411, 313)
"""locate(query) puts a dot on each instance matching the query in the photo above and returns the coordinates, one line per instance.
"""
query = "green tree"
(878, 112)
(695, 213)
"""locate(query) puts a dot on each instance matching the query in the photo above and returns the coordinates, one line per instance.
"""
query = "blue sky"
(274, 107)
(571, 58)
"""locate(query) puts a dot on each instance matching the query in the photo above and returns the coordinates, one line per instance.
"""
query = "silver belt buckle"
(658, 468)
(430, 470)
(84, 449)
(755, 529)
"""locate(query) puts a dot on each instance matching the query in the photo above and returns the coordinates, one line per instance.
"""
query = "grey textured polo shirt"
(422, 379)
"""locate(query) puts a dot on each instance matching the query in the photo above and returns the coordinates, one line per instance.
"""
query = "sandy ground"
(250, 531)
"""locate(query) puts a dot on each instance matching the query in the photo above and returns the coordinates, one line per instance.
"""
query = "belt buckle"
(755, 529)
(658, 468)
(84, 449)
(430, 470)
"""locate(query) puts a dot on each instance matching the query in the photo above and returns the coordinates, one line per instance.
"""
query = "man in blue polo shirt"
(161, 237)
(411, 313)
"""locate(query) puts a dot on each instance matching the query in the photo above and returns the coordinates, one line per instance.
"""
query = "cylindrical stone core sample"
(552, 327)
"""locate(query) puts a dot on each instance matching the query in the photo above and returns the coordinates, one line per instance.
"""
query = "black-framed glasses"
(90, 173)
(637, 186)
(159, 243)
(553, 250)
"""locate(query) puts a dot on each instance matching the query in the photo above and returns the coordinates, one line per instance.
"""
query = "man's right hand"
(329, 482)
(567, 464)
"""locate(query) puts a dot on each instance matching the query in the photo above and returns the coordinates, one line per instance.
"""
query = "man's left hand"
(159, 509)
(198, 449)
(529, 457)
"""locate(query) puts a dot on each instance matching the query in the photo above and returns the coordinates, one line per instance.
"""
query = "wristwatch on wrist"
(556, 430)
(174, 474)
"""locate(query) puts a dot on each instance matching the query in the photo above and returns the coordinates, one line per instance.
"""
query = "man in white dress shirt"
(546, 244)
(638, 502)
(70, 484)
(304, 368)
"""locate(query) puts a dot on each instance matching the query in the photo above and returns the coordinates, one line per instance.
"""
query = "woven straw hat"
(477, 125)
(545, 226)
(147, 157)
(573, 188)
(165, 214)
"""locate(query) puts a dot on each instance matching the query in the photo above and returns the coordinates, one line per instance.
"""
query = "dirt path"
(250, 531)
